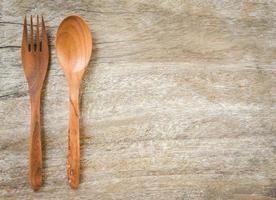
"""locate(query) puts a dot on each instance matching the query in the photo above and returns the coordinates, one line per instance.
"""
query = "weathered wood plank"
(178, 101)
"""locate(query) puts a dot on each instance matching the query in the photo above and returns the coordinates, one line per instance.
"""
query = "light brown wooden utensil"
(74, 48)
(35, 58)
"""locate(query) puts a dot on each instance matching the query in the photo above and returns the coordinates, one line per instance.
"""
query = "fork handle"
(35, 152)
(73, 160)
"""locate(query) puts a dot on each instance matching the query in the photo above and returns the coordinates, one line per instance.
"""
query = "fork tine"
(32, 34)
(24, 45)
(44, 37)
(37, 35)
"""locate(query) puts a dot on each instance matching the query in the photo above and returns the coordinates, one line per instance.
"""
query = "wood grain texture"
(177, 103)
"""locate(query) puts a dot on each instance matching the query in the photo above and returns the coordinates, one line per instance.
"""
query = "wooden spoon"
(74, 48)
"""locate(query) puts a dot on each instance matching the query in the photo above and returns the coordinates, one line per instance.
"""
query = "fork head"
(35, 54)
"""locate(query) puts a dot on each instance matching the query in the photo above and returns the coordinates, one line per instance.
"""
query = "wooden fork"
(35, 58)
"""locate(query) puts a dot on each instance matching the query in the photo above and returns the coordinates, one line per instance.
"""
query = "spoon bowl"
(74, 48)
(74, 44)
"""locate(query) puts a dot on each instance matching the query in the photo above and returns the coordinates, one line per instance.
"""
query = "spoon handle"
(35, 152)
(73, 160)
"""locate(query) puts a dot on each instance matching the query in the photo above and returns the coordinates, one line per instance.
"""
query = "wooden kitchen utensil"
(74, 48)
(35, 58)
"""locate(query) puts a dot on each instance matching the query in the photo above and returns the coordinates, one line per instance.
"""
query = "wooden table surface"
(178, 101)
